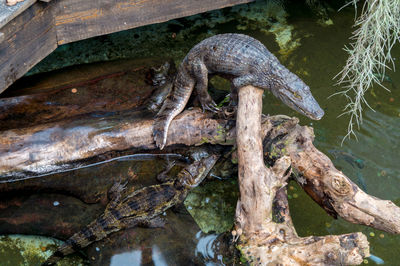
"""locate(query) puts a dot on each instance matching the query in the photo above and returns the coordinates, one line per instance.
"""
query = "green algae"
(31, 250)
(213, 205)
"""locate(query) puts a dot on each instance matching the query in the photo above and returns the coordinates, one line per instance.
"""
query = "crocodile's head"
(297, 95)
(198, 170)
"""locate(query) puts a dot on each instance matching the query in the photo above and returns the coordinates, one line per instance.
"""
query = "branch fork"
(262, 190)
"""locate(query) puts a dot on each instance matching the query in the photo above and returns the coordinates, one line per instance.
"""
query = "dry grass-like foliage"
(378, 30)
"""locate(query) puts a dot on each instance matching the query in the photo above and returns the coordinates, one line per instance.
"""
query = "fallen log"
(263, 241)
(55, 147)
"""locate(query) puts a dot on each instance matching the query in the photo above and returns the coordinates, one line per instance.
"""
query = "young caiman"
(245, 61)
(140, 208)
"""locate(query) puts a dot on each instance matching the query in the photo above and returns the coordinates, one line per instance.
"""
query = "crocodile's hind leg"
(173, 105)
(116, 193)
(200, 73)
(163, 176)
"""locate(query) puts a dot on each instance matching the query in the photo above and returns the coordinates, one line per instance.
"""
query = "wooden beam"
(77, 19)
(7, 13)
(27, 40)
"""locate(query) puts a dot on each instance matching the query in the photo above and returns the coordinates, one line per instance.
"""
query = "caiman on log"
(140, 208)
(245, 61)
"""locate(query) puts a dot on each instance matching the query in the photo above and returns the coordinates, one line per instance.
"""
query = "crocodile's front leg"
(200, 73)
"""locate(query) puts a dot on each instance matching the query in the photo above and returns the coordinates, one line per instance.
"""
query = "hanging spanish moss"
(378, 30)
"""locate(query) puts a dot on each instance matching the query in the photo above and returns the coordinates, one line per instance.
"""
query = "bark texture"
(53, 147)
(263, 241)
(329, 187)
(59, 145)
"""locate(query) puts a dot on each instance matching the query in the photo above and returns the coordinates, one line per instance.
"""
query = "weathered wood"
(7, 13)
(28, 39)
(251, 211)
(79, 19)
(56, 146)
(263, 241)
(52, 146)
(43, 148)
(33, 30)
(329, 187)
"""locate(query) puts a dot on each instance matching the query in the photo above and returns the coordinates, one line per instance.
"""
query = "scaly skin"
(139, 208)
(247, 62)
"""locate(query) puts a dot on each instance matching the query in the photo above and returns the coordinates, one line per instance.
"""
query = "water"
(314, 52)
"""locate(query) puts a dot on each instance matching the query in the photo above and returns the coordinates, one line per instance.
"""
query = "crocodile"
(140, 208)
(241, 59)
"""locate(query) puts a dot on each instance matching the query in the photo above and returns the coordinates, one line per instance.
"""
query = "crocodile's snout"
(318, 114)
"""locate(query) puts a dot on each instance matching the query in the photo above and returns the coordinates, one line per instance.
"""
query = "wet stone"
(213, 205)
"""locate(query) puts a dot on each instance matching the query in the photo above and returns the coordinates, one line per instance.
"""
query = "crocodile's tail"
(95, 231)
(173, 105)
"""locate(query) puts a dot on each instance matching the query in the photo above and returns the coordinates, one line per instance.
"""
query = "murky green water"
(314, 52)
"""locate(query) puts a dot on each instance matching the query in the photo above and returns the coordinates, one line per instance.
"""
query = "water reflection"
(376, 259)
(158, 257)
(127, 258)
(206, 248)
(379, 137)
(135, 257)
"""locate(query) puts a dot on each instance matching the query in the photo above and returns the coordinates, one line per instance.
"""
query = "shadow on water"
(314, 52)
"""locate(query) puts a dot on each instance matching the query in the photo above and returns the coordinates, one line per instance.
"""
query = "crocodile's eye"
(295, 94)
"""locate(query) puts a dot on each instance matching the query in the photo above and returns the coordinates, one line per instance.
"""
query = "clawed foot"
(160, 136)
(210, 106)
(207, 102)
(114, 194)
(159, 139)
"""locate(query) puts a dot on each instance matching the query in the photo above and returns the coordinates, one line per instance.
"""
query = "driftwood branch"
(329, 187)
(263, 241)
(57, 146)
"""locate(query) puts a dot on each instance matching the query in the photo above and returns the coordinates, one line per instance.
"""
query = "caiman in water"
(245, 61)
(140, 208)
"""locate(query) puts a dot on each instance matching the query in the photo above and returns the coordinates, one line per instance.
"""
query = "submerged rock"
(30, 250)
(213, 205)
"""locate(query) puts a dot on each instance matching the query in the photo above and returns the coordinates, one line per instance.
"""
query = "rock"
(30, 250)
(213, 205)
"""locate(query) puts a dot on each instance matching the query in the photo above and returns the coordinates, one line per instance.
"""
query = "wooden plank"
(28, 39)
(77, 19)
(36, 32)
(7, 13)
